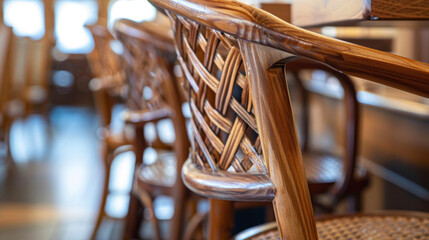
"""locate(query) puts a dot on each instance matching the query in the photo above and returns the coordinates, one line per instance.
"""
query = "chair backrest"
(104, 62)
(234, 57)
(153, 86)
(107, 68)
(6, 37)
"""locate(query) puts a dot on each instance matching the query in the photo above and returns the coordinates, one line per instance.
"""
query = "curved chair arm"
(352, 123)
(146, 32)
(252, 24)
(244, 187)
(140, 117)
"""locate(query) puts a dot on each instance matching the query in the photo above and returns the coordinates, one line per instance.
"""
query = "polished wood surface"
(403, 73)
(150, 59)
(218, 29)
(280, 143)
(318, 12)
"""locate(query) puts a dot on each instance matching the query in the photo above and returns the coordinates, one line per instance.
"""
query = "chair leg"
(133, 219)
(193, 224)
(180, 196)
(221, 219)
(147, 202)
(355, 202)
(107, 155)
(10, 164)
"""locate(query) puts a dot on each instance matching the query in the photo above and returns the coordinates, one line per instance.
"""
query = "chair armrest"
(140, 117)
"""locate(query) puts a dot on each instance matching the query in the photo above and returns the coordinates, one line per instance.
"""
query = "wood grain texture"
(279, 140)
(257, 187)
(399, 9)
(254, 25)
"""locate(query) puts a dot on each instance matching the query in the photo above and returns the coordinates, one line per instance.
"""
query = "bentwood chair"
(246, 146)
(328, 174)
(107, 88)
(6, 115)
(154, 97)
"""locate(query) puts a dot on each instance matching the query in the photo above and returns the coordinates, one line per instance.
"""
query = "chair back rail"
(106, 66)
(351, 120)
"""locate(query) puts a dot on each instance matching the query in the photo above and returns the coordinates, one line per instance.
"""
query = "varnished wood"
(103, 8)
(227, 185)
(221, 219)
(403, 73)
(280, 142)
(150, 58)
(318, 12)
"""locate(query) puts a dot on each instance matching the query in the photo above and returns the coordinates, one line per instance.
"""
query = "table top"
(333, 12)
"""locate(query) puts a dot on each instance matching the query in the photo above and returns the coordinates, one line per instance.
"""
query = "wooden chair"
(245, 142)
(154, 96)
(327, 173)
(107, 87)
(6, 38)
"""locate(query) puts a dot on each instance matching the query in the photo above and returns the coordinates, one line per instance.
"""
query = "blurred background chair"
(329, 175)
(239, 156)
(155, 109)
(109, 89)
(5, 116)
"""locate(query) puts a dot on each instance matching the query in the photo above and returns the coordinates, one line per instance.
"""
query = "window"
(70, 18)
(26, 17)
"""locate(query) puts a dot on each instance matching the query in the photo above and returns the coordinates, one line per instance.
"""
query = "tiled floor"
(54, 191)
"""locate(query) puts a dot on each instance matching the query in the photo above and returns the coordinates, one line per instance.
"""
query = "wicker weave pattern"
(223, 124)
(145, 75)
(365, 227)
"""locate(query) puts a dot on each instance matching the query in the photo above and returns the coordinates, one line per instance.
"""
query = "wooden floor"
(54, 191)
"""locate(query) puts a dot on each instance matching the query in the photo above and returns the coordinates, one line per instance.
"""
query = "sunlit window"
(26, 17)
(136, 10)
(70, 17)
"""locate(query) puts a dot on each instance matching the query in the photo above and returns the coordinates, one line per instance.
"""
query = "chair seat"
(324, 170)
(159, 175)
(383, 225)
